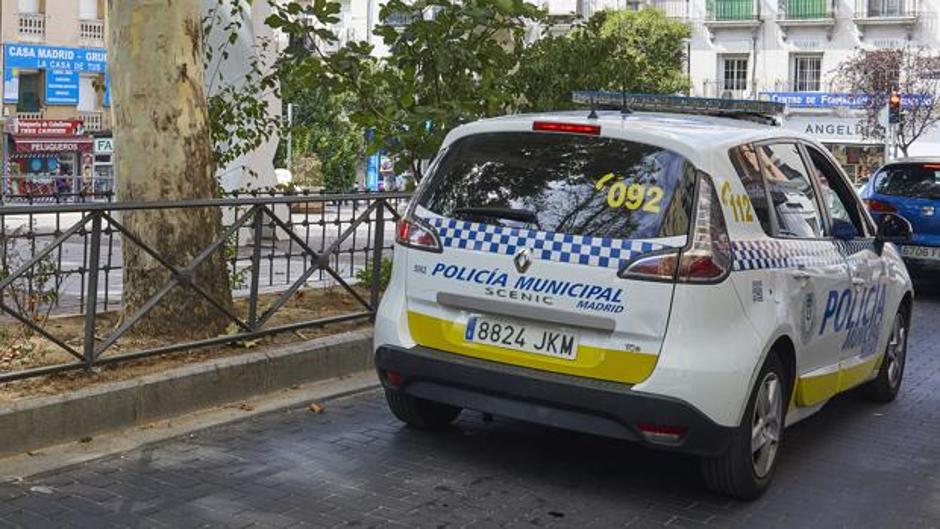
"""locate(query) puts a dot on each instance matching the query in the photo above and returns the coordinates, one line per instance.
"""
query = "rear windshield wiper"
(521, 215)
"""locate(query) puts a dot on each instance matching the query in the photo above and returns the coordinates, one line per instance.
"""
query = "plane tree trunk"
(162, 141)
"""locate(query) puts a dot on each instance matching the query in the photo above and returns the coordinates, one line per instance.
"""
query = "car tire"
(420, 413)
(884, 387)
(742, 471)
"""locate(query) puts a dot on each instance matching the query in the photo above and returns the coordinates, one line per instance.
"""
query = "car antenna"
(593, 114)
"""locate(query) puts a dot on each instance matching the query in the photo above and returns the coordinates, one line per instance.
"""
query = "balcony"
(673, 9)
(28, 115)
(806, 14)
(91, 32)
(886, 13)
(718, 89)
(31, 27)
(732, 14)
(93, 121)
(898, 13)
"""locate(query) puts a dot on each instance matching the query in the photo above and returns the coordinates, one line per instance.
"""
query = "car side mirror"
(892, 228)
(843, 230)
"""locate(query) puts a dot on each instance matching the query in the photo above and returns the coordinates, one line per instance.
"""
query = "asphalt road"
(853, 465)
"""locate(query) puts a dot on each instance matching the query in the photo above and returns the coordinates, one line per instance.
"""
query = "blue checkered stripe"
(777, 253)
(545, 245)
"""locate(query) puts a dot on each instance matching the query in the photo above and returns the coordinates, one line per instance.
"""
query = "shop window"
(30, 89)
(734, 74)
(807, 73)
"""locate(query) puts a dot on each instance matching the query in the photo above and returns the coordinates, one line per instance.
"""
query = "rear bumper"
(574, 403)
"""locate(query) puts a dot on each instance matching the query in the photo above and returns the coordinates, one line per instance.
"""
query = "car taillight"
(414, 234)
(707, 259)
(877, 206)
(658, 267)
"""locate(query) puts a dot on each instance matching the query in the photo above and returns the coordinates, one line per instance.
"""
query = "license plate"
(921, 252)
(522, 337)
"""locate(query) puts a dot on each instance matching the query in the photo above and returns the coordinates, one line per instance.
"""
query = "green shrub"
(364, 275)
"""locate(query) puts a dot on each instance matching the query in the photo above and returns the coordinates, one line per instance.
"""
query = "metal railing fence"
(272, 243)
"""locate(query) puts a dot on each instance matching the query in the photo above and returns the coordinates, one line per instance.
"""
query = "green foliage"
(239, 116)
(364, 275)
(441, 71)
(326, 144)
(33, 294)
(635, 51)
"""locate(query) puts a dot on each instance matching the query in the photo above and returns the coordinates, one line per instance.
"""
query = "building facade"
(790, 51)
(56, 100)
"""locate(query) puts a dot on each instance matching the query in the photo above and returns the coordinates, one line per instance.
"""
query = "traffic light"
(894, 108)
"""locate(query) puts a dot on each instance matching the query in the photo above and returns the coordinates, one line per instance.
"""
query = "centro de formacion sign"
(63, 68)
(834, 99)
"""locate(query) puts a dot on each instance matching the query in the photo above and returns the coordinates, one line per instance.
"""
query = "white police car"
(691, 282)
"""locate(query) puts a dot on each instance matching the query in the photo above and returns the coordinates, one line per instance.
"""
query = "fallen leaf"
(85, 440)
(315, 408)
(244, 406)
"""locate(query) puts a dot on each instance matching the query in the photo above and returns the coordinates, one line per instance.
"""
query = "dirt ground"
(19, 351)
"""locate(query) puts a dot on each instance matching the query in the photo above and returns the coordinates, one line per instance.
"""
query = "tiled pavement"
(854, 465)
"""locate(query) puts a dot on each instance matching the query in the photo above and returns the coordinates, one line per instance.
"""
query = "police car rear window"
(909, 180)
(565, 183)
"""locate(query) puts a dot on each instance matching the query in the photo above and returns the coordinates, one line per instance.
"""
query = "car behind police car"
(690, 282)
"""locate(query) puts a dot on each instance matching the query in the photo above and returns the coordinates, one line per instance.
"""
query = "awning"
(52, 144)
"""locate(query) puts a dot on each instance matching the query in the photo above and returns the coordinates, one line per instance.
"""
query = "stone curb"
(36, 423)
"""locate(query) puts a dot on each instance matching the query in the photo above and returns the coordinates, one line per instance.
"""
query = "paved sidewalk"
(854, 465)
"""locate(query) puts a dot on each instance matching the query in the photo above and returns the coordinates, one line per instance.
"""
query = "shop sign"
(816, 99)
(104, 145)
(829, 128)
(835, 99)
(63, 67)
(51, 146)
(49, 127)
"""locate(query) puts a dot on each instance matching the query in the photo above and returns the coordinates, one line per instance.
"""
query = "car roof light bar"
(765, 111)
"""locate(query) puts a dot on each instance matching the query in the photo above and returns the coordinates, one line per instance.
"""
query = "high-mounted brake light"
(877, 206)
(931, 166)
(574, 128)
(415, 234)
(707, 259)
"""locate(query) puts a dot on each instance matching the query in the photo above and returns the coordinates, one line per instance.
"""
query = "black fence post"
(378, 243)
(255, 267)
(91, 296)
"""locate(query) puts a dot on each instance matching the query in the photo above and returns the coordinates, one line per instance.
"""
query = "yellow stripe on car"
(812, 389)
(592, 362)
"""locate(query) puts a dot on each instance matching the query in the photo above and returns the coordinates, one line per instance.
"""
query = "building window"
(88, 10)
(734, 74)
(87, 93)
(807, 72)
(29, 6)
(29, 99)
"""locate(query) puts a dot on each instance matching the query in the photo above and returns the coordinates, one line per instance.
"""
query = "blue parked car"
(910, 187)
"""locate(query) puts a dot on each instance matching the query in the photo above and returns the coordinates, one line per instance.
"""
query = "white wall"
(256, 169)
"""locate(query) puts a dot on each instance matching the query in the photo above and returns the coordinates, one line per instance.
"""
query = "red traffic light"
(894, 100)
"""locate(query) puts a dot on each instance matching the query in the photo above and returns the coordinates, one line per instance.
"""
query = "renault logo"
(522, 260)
